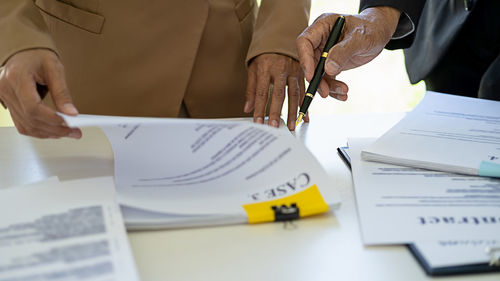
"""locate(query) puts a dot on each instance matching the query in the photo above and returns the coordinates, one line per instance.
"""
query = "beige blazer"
(144, 58)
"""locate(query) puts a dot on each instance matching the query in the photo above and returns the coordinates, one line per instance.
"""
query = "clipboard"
(492, 266)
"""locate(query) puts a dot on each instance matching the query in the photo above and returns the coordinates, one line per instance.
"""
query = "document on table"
(399, 205)
(445, 133)
(64, 231)
(205, 169)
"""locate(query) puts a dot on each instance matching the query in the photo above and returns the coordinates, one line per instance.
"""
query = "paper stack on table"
(63, 231)
(447, 218)
(444, 133)
(192, 172)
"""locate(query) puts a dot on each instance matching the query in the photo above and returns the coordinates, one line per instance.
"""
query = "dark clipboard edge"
(450, 270)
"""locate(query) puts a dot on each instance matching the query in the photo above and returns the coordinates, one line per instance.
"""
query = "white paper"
(399, 205)
(66, 231)
(45, 182)
(447, 133)
(204, 167)
(444, 253)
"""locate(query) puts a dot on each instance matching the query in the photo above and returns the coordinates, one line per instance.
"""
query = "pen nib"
(299, 119)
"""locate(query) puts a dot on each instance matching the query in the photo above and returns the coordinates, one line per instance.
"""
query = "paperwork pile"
(444, 133)
(189, 172)
(64, 231)
(448, 218)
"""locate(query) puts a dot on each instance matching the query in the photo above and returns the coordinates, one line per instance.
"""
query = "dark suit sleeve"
(410, 15)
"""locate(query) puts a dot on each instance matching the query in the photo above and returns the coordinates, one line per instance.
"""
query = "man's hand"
(18, 92)
(363, 38)
(279, 71)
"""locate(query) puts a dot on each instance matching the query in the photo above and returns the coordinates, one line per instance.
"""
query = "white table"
(325, 247)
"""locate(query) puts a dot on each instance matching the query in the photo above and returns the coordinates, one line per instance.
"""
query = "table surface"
(324, 247)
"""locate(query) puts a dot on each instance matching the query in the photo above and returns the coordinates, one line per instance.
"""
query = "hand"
(363, 38)
(279, 71)
(18, 92)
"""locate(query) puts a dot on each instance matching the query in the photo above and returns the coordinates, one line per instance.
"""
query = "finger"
(293, 102)
(38, 119)
(250, 91)
(56, 81)
(23, 127)
(335, 86)
(323, 88)
(340, 97)
(277, 99)
(32, 108)
(261, 96)
(306, 53)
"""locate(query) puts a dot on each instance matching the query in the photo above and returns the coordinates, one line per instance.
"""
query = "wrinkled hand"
(363, 38)
(18, 92)
(279, 71)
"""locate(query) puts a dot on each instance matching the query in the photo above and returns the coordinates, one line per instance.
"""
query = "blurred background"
(380, 86)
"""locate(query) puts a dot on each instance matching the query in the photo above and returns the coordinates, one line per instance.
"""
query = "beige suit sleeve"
(21, 27)
(278, 24)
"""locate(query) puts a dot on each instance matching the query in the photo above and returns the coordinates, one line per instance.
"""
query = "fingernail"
(247, 107)
(64, 124)
(274, 124)
(74, 135)
(339, 91)
(70, 109)
(259, 120)
(308, 75)
(332, 67)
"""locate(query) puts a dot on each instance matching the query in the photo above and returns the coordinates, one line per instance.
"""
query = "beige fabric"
(143, 58)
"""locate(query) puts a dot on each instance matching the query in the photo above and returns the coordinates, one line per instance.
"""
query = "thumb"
(56, 81)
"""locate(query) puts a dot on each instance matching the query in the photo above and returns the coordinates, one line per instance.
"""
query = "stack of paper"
(189, 172)
(436, 201)
(444, 133)
(63, 231)
(449, 219)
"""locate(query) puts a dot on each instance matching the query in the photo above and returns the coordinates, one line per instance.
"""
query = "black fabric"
(411, 9)
(463, 59)
(455, 47)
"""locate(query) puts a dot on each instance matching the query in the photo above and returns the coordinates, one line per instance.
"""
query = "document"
(400, 205)
(445, 133)
(205, 170)
(63, 231)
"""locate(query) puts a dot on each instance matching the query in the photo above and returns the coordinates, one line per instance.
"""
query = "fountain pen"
(333, 38)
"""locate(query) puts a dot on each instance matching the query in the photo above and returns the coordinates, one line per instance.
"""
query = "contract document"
(63, 231)
(400, 205)
(445, 133)
(187, 172)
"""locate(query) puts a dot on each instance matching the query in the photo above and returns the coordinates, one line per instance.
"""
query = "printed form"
(64, 231)
(445, 133)
(399, 205)
(205, 168)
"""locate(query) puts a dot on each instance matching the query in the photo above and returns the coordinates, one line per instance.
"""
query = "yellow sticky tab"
(309, 201)
(325, 54)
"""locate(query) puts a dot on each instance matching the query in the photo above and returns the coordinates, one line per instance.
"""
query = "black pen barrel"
(333, 38)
